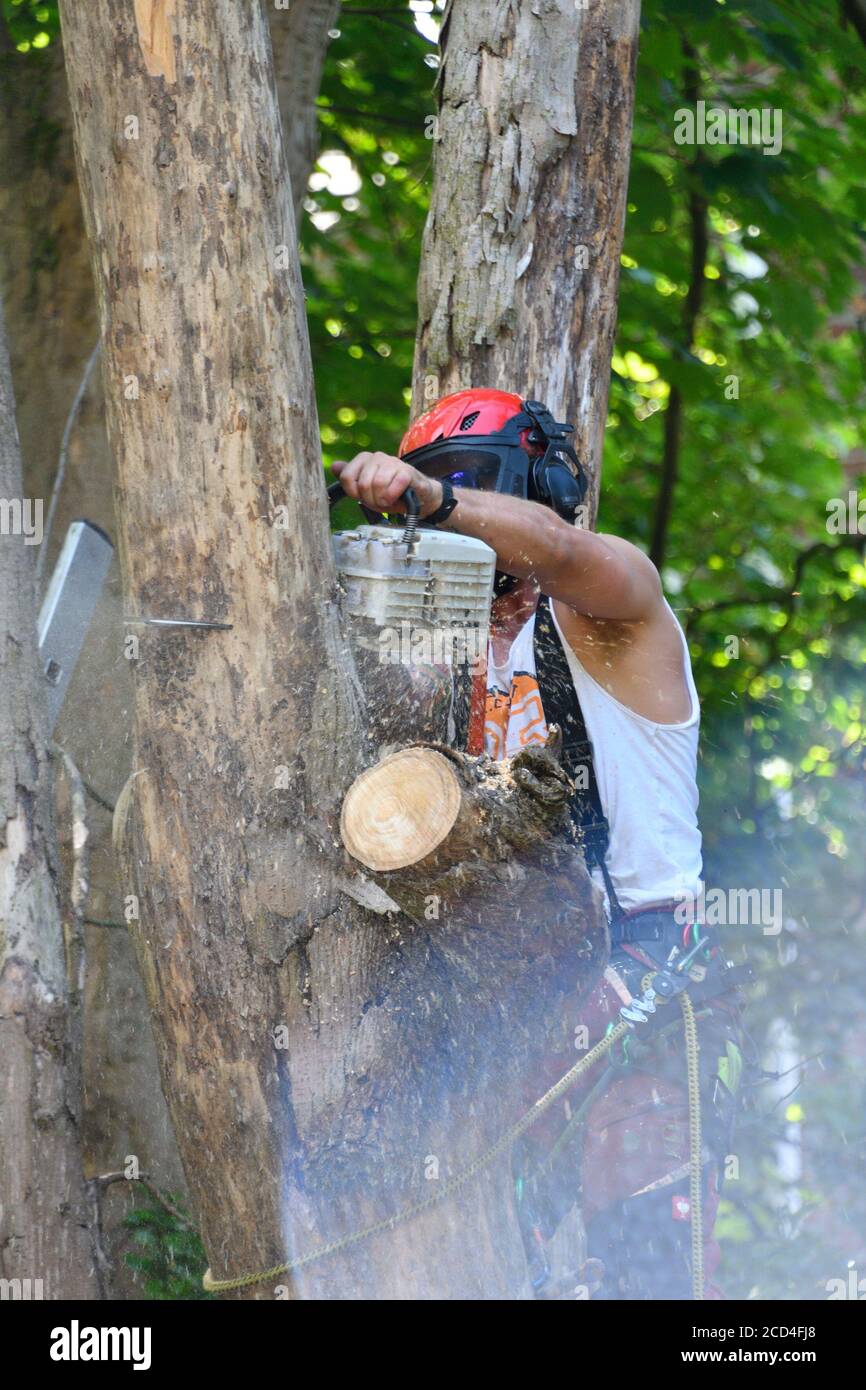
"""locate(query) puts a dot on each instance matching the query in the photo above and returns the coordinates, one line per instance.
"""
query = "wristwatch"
(442, 512)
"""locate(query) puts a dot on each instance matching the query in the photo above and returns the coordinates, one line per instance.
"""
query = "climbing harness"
(664, 983)
(662, 980)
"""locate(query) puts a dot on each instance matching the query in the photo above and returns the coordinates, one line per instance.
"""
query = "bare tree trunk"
(213, 425)
(52, 329)
(52, 318)
(46, 281)
(314, 1056)
(43, 1216)
(520, 265)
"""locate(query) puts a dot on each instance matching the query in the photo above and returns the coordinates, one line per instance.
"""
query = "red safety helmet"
(496, 441)
(475, 411)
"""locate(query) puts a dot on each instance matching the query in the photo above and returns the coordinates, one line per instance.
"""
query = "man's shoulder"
(634, 555)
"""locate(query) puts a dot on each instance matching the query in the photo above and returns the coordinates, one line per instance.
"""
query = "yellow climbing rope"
(502, 1145)
(690, 1028)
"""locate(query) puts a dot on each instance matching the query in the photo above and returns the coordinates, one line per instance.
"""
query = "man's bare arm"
(600, 576)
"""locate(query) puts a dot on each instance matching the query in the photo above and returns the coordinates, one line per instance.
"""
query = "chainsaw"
(68, 607)
(417, 599)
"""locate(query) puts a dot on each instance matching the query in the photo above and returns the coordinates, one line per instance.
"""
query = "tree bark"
(44, 269)
(43, 1214)
(52, 322)
(213, 425)
(394, 1051)
(520, 263)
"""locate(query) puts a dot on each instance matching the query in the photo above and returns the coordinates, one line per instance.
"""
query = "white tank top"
(646, 772)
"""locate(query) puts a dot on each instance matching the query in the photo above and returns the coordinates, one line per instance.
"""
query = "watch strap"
(442, 512)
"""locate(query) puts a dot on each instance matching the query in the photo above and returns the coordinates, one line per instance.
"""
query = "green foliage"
(376, 100)
(31, 24)
(167, 1256)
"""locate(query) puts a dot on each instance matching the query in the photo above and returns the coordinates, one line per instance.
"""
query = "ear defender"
(556, 478)
(558, 486)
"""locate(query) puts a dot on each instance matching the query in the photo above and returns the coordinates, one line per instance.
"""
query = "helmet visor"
(463, 467)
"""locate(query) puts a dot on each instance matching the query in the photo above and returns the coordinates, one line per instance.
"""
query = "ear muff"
(558, 485)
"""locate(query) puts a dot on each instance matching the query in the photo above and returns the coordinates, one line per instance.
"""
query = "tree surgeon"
(583, 637)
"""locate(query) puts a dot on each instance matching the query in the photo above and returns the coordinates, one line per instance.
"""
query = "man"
(582, 636)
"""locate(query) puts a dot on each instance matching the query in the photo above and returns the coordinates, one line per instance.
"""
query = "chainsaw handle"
(336, 493)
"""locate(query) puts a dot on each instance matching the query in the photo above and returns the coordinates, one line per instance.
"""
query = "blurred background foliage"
(31, 23)
(735, 419)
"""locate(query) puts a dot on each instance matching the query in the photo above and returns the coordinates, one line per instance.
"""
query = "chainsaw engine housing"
(418, 614)
(437, 583)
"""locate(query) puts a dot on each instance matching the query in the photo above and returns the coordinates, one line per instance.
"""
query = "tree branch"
(105, 1180)
(785, 596)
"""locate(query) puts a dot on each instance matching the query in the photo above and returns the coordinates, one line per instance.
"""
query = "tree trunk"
(314, 1055)
(213, 426)
(699, 233)
(43, 1216)
(46, 281)
(52, 323)
(520, 264)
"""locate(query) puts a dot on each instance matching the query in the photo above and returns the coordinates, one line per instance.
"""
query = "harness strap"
(562, 707)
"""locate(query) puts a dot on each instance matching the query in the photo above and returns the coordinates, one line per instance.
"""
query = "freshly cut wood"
(433, 824)
(399, 811)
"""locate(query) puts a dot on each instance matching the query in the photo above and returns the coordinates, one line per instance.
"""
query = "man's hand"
(378, 481)
(602, 577)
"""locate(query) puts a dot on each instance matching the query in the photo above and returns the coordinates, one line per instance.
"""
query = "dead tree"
(44, 1240)
(319, 1060)
(52, 329)
(520, 261)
